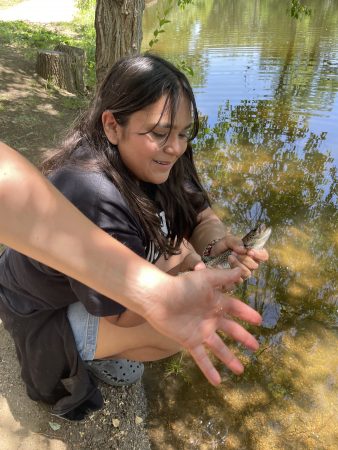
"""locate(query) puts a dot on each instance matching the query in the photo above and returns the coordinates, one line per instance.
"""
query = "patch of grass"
(79, 33)
(177, 366)
(74, 103)
(174, 366)
(26, 35)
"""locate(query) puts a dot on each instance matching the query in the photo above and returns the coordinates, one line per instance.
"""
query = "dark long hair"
(132, 84)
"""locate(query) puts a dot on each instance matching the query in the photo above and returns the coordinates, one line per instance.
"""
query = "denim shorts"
(85, 327)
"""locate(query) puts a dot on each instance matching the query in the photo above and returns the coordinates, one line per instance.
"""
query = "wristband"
(208, 248)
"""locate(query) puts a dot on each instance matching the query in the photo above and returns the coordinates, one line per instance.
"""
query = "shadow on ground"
(33, 115)
(26, 424)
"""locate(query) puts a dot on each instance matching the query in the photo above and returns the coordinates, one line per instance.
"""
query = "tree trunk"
(64, 67)
(55, 66)
(78, 56)
(118, 25)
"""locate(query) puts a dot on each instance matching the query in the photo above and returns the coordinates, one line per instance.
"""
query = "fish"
(255, 239)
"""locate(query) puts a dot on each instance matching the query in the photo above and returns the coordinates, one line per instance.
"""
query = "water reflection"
(261, 166)
(267, 87)
(286, 399)
(253, 50)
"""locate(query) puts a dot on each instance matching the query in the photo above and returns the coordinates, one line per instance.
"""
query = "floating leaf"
(54, 426)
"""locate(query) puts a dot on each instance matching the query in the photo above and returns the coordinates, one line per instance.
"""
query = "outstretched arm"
(38, 221)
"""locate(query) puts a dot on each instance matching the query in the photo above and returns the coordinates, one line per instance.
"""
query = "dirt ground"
(32, 119)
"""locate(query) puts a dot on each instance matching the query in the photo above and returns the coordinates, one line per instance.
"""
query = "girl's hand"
(192, 261)
(199, 311)
(247, 260)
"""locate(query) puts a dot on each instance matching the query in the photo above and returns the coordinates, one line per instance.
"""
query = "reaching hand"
(193, 319)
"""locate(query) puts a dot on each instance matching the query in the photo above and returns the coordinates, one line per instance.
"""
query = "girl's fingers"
(234, 243)
(236, 308)
(219, 349)
(238, 333)
(228, 242)
(203, 361)
(245, 260)
(259, 255)
(206, 334)
(245, 271)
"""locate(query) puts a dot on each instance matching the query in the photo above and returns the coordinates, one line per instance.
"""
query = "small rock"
(116, 423)
(138, 420)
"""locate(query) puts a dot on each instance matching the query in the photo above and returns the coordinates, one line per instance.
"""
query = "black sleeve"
(98, 199)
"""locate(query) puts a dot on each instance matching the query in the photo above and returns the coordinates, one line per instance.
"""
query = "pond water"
(267, 87)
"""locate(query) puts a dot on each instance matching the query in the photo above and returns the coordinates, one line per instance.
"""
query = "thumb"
(199, 266)
(225, 278)
(192, 262)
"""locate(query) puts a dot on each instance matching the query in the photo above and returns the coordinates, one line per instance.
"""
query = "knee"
(171, 349)
(155, 353)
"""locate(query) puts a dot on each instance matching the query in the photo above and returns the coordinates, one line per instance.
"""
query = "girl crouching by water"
(128, 166)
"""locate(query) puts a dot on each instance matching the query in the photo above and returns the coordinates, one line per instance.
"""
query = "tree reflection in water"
(262, 166)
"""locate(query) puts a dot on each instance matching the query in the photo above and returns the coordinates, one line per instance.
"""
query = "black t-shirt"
(29, 285)
(34, 297)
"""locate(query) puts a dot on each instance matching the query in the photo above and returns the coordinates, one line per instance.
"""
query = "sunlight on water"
(287, 399)
(267, 152)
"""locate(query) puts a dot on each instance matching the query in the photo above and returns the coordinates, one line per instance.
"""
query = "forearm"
(210, 227)
(38, 221)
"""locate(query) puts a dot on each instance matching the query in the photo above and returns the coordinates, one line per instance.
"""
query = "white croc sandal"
(116, 372)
